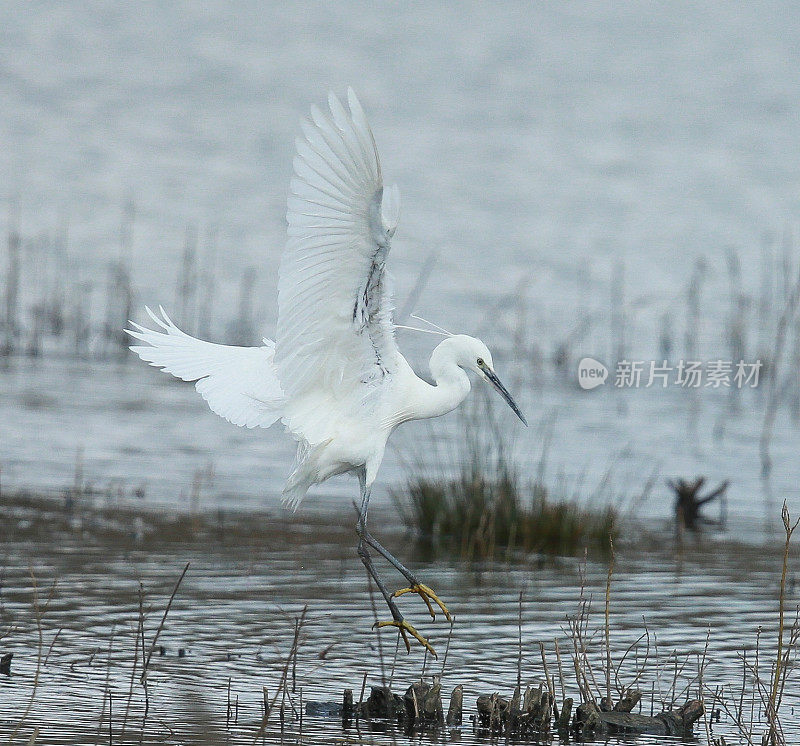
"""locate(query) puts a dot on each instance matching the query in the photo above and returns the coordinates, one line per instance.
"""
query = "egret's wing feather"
(335, 342)
(239, 383)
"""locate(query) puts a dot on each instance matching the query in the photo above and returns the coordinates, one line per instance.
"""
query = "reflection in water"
(770, 507)
(233, 620)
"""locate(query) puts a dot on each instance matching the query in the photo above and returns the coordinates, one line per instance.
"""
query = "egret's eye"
(480, 362)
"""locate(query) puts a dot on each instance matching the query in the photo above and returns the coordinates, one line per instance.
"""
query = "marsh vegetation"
(471, 496)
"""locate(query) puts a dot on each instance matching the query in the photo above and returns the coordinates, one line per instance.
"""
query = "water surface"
(538, 149)
(235, 613)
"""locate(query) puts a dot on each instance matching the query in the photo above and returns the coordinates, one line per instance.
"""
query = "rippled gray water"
(234, 618)
(537, 147)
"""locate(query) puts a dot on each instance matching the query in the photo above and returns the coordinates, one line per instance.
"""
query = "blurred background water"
(583, 175)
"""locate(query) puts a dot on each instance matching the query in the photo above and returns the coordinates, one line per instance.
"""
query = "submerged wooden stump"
(679, 722)
(381, 703)
(587, 720)
(591, 719)
(563, 719)
(454, 711)
(423, 704)
(688, 502)
(530, 714)
(521, 715)
(492, 711)
(629, 701)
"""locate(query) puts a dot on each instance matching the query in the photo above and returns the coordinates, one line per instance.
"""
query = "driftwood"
(381, 703)
(420, 706)
(423, 704)
(497, 714)
(688, 503)
(454, 712)
(530, 713)
(590, 719)
(562, 722)
(629, 701)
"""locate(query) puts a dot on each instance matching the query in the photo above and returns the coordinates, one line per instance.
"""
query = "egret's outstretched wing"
(239, 383)
(335, 343)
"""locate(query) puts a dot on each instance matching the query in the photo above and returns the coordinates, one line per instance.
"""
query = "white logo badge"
(591, 373)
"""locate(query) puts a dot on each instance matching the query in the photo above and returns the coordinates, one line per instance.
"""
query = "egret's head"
(472, 354)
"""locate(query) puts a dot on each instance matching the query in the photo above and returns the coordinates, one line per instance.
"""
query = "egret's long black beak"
(491, 376)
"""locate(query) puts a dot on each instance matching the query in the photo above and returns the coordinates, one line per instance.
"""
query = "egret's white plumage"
(334, 374)
(239, 383)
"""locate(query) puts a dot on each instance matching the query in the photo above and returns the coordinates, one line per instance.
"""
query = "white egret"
(334, 374)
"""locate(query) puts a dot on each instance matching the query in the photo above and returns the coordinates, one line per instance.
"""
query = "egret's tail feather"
(238, 383)
(306, 472)
(294, 492)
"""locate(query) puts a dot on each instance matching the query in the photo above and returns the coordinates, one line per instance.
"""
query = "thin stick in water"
(163, 621)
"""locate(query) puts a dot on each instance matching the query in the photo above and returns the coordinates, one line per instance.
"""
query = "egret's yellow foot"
(427, 595)
(404, 627)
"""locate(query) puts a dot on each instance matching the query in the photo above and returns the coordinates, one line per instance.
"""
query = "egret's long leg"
(363, 552)
(422, 590)
(372, 541)
(397, 618)
(380, 549)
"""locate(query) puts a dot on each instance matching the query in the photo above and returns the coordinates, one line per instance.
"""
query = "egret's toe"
(427, 595)
(404, 627)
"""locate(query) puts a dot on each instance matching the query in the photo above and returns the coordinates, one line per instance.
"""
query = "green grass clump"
(478, 515)
(485, 508)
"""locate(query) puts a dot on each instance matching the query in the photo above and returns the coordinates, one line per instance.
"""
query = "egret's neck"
(452, 385)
